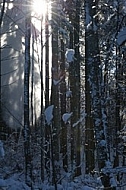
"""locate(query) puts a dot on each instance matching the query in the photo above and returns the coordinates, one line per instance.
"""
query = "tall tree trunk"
(77, 82)
(63, 107)
(72, 83)
(95, 79)
(71, 86)
(1, 20)
(63, 134)
(74, 78)
(32, 82)
(47, 128)
(42, 117)
(27, 130)
(55, 88)
(89, 126)
(89, 136)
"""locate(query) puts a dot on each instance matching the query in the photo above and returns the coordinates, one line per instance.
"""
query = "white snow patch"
(97, 122)
(108, 164)
(11, 184)
(70, 55)
(113, 182)
(89, 25)
(102, 143)
(68, 93)
(75, 124)
(124, 139)
(88, 17)
(83, 115)
(56, 82)
(66, 117)
(48, 114)
(87, 188)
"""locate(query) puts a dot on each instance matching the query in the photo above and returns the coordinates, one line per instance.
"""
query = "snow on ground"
(11, 184)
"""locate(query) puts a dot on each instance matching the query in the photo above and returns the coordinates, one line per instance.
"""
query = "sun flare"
(39, 6)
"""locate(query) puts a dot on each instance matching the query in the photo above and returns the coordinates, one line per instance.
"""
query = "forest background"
(63, 94)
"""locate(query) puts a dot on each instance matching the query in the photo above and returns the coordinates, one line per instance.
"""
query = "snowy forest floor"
(12, 170)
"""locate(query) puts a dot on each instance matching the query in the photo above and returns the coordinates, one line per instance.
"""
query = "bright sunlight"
(39, 6)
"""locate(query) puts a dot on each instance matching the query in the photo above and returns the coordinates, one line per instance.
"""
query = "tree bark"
(55, 91)
(95, 79)
(27, 130)
(1, 20)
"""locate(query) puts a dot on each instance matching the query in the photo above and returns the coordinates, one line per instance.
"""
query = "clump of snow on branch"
(49, 114)
(121, 37)
(102, 143)
(82, 118)
(97, 122)
(1, 150)
(88, 17)
(66, 117)
(113, 181)
(108, 167)
(63, 32)
(108, 164)
(124, 139)
(75, 124)
(70, 55)
(68, 93)
(56, 82)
